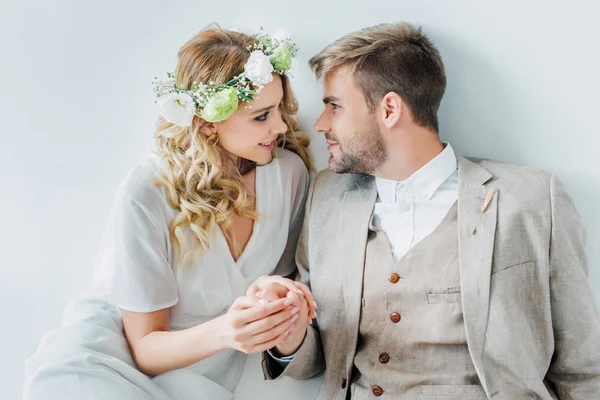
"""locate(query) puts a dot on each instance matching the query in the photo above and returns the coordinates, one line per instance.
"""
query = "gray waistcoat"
(412, 342)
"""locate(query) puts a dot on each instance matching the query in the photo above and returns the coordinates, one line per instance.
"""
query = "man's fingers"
(296, 287)
(295, 298)
(300, 288)
(253, 290)
(271, 283)
(312, 304)
(299, 300)
(272, 291)
(258, 284)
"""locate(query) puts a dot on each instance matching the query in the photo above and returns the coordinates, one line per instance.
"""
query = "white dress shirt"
(408, 211)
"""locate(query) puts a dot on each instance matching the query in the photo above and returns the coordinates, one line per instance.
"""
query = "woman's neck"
(245, 165)
(241, 164)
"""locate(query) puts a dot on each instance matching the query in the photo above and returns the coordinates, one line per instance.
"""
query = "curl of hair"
(205, 193)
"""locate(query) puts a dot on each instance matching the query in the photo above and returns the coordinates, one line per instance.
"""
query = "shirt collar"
(425, 181)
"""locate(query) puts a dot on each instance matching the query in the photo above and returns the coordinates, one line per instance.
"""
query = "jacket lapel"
(477, 215)
(356, 212)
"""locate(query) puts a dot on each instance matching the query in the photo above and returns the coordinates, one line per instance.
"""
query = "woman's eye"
(262, 117)
(334, 106)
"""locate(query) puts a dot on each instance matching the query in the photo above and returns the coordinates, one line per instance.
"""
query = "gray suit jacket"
(532, 325)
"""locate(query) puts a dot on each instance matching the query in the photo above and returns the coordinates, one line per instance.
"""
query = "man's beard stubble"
(362, 153)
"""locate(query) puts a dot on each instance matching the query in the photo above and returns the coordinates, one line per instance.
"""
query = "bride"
(219, 204)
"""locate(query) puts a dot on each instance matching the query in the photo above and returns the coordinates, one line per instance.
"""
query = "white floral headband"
(216, 103)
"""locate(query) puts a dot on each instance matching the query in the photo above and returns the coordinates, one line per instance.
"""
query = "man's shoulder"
(327, 177)
(334, 183)
(513, 175)
(518, 180)
(507, 173)
(521, 189)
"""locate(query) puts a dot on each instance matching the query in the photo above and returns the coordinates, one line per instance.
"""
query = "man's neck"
(408, 154)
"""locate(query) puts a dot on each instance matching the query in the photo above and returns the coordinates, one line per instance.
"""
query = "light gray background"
(523, 79)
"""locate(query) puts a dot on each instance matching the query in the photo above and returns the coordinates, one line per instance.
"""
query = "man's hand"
(297, 333)
(268, 289)
(274, 286)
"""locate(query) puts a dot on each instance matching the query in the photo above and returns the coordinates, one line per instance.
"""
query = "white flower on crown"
(177, 108)
(258, 68)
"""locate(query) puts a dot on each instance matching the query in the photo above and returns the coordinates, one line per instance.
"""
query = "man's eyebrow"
(330, 99)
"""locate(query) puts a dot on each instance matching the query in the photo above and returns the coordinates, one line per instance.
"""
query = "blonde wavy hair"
(205, 193)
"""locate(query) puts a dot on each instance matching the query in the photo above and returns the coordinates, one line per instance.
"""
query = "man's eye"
(334, 106)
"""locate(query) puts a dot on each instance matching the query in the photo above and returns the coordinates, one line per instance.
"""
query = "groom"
(436, 276)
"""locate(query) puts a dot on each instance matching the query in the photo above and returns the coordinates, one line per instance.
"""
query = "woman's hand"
(253, 327)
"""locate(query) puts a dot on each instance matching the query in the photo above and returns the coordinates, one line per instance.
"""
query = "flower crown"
(217, 102)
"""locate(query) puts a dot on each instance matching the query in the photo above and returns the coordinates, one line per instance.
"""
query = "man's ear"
(391, 109)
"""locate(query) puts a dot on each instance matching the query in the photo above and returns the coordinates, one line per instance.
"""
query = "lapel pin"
(488, 199)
